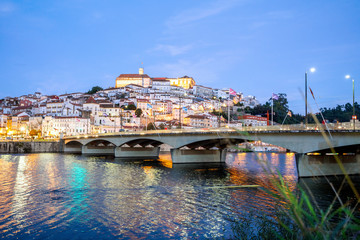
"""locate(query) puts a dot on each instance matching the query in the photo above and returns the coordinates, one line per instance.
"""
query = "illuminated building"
(140, 79)
(185, 82)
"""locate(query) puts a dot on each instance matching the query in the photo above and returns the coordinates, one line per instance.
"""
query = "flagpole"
(272, 111)
(284, 120)
(306, 117)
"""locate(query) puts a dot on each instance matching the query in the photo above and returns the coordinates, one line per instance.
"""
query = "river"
(64, 196)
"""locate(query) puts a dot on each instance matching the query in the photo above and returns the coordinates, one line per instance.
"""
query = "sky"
(257, 47)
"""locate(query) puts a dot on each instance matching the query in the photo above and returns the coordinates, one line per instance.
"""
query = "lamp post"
(306, 91)
(353, 90)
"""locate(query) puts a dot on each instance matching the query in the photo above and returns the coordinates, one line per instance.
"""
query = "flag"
(185, 109)
(232, 92)
(275, 96)
(312, 93)
(289, 113)
(148, 106)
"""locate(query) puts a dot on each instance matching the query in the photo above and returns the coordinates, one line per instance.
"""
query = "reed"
(299, 216)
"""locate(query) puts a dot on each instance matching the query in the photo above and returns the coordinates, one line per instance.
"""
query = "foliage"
(138, 112)
(34, 132)
(239, 104)
(150, 126)
(220, 113)
(162, 126)
(281, 111)
(95, 90)
(341, 113)
(129, 107)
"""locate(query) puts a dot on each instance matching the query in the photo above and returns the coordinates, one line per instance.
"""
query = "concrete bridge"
(314, 156)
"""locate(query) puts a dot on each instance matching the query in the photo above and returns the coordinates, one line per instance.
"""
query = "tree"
(281, 110)
(131, 107)
(95, 90)
(150, 126)
(34, 132)
(341, 113)
(138, 112)
(162, 126)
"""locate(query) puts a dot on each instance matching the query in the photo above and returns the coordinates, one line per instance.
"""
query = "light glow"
(312, 70)
(347, 76)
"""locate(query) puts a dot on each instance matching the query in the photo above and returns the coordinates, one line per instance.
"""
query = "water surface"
(61, 196)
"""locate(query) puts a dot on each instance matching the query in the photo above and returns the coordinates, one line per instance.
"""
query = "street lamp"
(306, 104)
(353, 116)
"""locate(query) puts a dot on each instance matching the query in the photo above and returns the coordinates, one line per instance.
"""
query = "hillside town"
(137, 102)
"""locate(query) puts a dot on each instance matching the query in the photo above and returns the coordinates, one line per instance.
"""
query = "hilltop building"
(145, 81)
(140, 79)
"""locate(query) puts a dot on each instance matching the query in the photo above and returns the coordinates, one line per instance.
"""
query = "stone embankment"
(31, 147)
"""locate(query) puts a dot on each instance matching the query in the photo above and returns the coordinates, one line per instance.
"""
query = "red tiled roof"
(197, 116)
(22, 107)
(90, 100)
(252, 117)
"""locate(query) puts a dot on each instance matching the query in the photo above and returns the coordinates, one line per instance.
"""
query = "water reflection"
(42, 195)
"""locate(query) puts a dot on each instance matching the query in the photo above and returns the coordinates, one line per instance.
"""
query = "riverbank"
(31, 147)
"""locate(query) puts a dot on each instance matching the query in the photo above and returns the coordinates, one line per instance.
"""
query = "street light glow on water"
(63, 196)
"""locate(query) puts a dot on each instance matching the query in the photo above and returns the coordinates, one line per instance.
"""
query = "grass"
(300, 217)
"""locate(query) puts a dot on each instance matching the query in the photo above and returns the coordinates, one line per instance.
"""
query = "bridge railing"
(301, 127)
(280, 128)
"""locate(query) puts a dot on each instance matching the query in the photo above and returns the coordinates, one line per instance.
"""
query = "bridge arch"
(143, 142)
(220, 143)
(100, 143)
(73, 143)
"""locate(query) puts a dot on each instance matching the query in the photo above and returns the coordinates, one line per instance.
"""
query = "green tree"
(341, 113)
(131, 107)
(95, 90)
(150, 126)
(138, 112)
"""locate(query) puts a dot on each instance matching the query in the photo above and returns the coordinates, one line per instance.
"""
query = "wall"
(30, 147)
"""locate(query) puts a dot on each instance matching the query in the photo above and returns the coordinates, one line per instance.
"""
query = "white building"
(161, 84)
(68, 126)
(202, 91)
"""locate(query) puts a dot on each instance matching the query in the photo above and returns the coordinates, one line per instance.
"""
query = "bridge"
(316, 149)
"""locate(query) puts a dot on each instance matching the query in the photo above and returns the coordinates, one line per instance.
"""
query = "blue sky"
(253, 46)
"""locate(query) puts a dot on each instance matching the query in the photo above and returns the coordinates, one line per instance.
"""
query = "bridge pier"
(137, 152)
(72, 148)
(326, 165)
(197, 156)
(94, 150)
